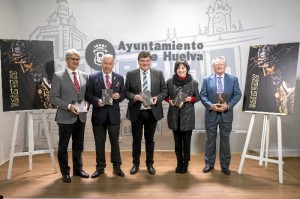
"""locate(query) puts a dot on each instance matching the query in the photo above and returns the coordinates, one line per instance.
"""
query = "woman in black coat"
(182, 92)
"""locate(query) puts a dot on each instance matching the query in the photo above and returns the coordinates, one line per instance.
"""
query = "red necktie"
(108, 84)
(76, 83)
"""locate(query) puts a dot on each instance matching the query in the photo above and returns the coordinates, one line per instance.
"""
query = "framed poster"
(271, 78)
(27, 68)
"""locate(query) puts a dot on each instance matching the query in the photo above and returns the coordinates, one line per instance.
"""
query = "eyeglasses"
(74, 59)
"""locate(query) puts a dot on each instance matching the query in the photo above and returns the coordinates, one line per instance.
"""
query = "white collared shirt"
(72, 76)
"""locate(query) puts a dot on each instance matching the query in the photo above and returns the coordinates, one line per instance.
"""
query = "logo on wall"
(95, 51)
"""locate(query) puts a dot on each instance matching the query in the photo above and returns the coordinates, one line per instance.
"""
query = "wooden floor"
(255, 181)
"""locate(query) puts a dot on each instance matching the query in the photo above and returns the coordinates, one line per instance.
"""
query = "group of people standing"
(72, 85)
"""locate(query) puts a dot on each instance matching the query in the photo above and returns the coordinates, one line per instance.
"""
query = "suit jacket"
(63, 93)
(208, 96)
(133, 87)
(94, 94)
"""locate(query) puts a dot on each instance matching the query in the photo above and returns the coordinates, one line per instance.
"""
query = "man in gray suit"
(68, 86)
(144, 117)
(219, 94)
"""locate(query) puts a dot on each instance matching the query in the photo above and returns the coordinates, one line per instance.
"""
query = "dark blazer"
(208, 96)
(63, 93)
(133, 87)
(187, 112)
(94, 94)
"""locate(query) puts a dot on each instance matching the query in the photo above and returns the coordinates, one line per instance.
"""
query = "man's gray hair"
(70, 52)
(216, 59)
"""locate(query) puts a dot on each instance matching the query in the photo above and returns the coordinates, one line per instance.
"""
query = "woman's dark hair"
(183, 62)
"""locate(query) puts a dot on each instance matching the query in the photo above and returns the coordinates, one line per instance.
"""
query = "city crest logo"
(95, 51)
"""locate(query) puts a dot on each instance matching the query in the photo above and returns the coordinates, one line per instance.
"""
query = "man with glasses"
(219, 112)
(68, 87)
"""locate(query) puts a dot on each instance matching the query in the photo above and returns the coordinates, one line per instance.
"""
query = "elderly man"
(219, 112)
(106, 116)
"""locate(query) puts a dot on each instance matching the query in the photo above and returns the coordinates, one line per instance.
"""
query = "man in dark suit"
(141, 117)
(68, 86)
(219, 113)
(106, 117)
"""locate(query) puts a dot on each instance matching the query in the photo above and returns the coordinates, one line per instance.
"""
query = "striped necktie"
(145, 81)
(76, 83)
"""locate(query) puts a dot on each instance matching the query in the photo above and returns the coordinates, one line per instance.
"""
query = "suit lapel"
(227, 83)
(113, 80)
(213, 83)
(69, 80)
(153, 82)
(138, 79)
(101, 80)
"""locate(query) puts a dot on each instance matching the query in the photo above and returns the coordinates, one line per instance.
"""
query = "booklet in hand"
(107, 98)
(221, 98)
(147, 98)
(180, 99)
(81, 106)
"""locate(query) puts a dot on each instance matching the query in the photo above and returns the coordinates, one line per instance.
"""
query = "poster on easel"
(271, 78)
(27, 67)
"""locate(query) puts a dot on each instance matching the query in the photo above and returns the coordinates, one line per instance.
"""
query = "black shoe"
(207, 168)
(97, 173)
(119, 172)
(66, 178)
(81, 174)
(151, 169)
(226, 171)
(184, 168)
(179, 167)
(134, 169)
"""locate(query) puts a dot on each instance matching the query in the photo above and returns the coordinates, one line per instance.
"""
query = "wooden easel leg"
(280, 162)
(31, 139)
(267, 140)
(12, 146)
(246, 143)
(263, 140)
(50, 146)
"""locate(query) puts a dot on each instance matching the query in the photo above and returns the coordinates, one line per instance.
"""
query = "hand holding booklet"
(180, 99)
(221, 98)
(147, 98)
(81, 106)
(107, 96)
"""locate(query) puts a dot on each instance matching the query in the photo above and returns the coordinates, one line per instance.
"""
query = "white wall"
(10, 29)
(132, 21)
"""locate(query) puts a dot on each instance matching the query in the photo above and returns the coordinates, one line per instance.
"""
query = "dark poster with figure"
(271, 78)
(27, 68)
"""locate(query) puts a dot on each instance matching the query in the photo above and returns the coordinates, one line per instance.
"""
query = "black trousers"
(66, 131)
(147, 121)
(182, 146)
(100, 131)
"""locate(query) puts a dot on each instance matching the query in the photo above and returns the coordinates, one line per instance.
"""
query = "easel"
(264, 148)
(31, 150)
